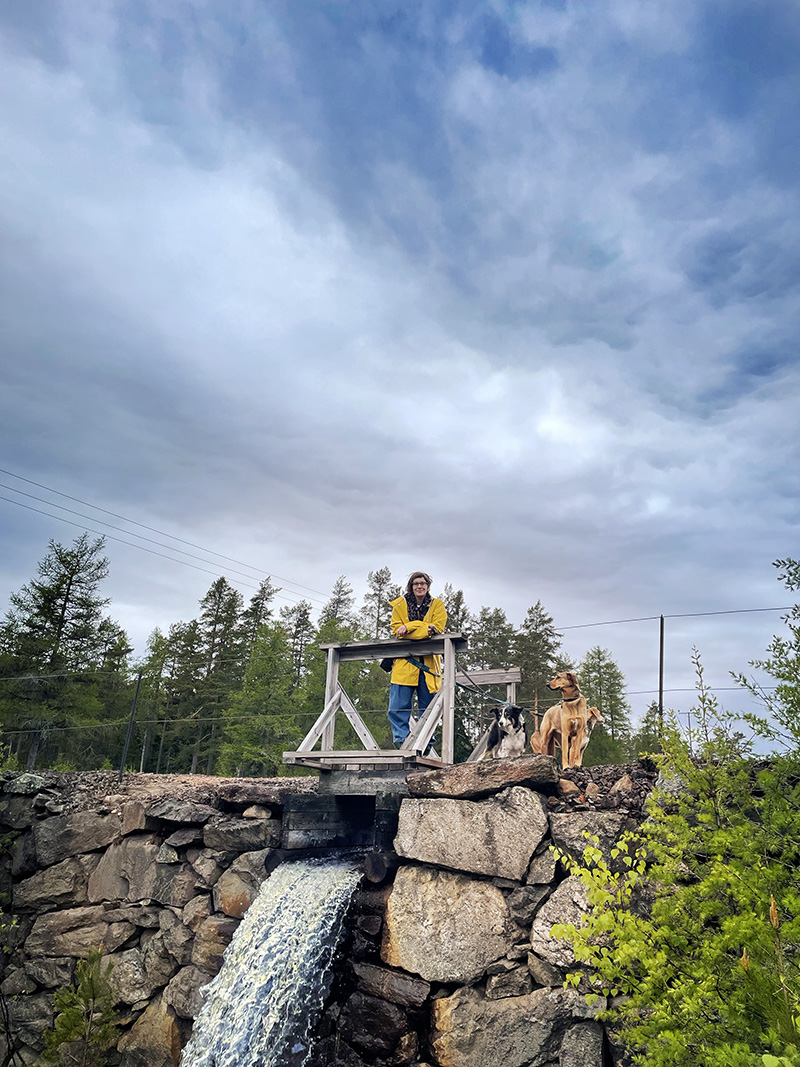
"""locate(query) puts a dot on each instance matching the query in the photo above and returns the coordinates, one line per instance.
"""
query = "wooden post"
(449, 696)
(331, 685)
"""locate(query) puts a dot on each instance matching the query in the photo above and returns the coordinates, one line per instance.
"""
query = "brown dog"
(567, 725)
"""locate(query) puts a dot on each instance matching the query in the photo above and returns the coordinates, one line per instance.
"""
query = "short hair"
(418, 574)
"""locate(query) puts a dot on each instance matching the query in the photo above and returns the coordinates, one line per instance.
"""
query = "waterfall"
(261, 1008)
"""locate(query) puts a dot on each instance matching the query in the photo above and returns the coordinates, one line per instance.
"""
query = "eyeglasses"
(419, 583)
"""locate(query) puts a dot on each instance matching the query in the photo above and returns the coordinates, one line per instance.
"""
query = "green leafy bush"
(694, 927)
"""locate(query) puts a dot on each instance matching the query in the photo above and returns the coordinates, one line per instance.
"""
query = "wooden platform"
(362, 759)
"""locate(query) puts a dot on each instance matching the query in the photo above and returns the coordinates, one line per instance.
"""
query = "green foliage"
(63, 663)
(84, 1027)
(695, 920)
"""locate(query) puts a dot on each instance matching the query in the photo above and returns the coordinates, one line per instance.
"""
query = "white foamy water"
(261, 1008)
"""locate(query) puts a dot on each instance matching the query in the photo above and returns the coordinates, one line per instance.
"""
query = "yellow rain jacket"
(403, 672)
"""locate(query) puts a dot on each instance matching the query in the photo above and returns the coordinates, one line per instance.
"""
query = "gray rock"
(51, 973)
(196, 911)
(167, 854)
(119, 934)
(242, 835)
(483, 778)
(238, 887)
(445, 927)
(174, 884)
(129, 978)
(523, 902)
(23, 855)
(371, 1025)
(188, 836)
(144, 915)
(134, 817)
(568, 904)
(470, 1030)
(67, 933)
(154, 1040)
(256, 811)
(544, 973)
(209, 864)
(25, 784)
(542, 870)
(496, 837)
(63, 883)
(211, 939)
(127, 870)
(582, 1046)
(63, 836)
(514, 983)
(30, 1016)
(181, 811)
(17, 981)
(17, 812)
(183, 992)
(391, 985)
(570, 829)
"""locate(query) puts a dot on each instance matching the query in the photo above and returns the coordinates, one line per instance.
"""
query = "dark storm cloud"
(510, 293)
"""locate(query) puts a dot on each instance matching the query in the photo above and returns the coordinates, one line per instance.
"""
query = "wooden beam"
(315, 733)
(423, 730)
(498, 677)
(357, 722)
(394, 648)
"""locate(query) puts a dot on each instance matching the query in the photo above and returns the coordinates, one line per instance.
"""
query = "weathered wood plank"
(316, 731)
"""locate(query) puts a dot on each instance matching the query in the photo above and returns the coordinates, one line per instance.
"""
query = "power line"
(152, 529)
(131, 544)
(683, 615)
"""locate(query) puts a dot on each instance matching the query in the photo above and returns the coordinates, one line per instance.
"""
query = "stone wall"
(157, 870)
(448, 959)
(451, 962)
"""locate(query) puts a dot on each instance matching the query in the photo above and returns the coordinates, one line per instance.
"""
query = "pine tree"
(340, 608)
(84, 1027)
(257, 613)
(492, 640)
(536, 653)
(457, 611)
(647, 739)
(296, 621)
(66, 663)
(261, 721)
(376, 613)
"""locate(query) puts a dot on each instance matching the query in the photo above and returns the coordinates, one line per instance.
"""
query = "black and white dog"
(508, 735)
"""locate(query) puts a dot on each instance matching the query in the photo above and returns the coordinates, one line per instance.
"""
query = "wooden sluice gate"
(360, 790)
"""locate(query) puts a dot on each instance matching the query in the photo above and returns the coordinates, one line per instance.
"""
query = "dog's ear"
(572, 679)
(496, 711)
(594, 713)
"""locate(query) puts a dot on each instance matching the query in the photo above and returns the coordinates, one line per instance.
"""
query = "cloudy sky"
(507, 291)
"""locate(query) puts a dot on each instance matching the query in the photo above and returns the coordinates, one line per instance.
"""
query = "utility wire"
(152, 529)
(682, 615)
(142, 548)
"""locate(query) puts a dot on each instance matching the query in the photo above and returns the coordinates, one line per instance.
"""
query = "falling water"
(261, 1008)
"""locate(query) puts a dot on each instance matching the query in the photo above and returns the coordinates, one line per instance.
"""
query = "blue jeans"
(400, 697)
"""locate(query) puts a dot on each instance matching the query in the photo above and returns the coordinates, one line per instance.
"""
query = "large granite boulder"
(242, 835)
(582, 1046)
(211, 939)
(129, 978)
(154, 1040)
(67, 933)
(126, 870)
(495, 837)
(63, 883)
(183, 992)
(568, 904)
(63, 836)
(238, 887)
(481, 779)
(445, 927)
(471, 1030)
(182, 811)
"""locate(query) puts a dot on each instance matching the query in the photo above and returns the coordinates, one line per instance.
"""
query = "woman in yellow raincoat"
(415, 615)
